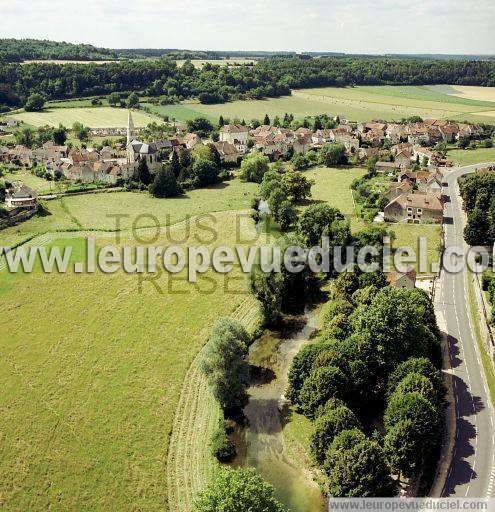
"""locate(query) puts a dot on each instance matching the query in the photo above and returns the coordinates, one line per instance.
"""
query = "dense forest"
(270, 77)
(18, 50)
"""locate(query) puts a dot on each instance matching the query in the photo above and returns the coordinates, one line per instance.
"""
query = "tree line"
(271, 77)
(478, 194)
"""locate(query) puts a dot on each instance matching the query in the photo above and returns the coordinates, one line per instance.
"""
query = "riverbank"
(262, 444)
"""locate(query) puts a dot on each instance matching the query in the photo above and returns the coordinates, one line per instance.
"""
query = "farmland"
(96, 117)
(362, 103)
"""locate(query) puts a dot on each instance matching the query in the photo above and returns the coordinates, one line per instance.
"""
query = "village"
(408, 154)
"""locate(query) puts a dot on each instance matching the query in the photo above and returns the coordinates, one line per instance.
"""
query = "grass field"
(333, 187)
(354, 103)
(97, 211)
(96, 117)
(472, 156)
(89, 393)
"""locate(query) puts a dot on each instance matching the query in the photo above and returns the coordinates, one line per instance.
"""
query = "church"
(137, 150)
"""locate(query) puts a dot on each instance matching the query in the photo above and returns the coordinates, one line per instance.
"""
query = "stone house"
(415, 208)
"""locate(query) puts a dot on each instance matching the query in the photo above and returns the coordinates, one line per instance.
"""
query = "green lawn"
(472, 156)
(332, 186)
(94, 117)
(91, 373)
(354, 103)
(407, 235)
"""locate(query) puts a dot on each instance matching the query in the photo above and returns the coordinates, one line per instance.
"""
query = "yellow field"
(97, 117)
(474, 93)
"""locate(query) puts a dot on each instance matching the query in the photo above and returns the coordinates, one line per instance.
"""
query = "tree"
(268, 288)
(415, 420)
(297, 185)
(300, 162)
(133, 100)
(204, 172)
(221, 122)
(224, 363)
(327, 426)
(165, 184)
(34, 103)
(286, 215)
(200, 126)
(321, 385)
(394, 323)
(113, 99)
(403, 449)
(59, 135)
(321, 219)
(332, 154)
(413, 406)
(236, 490)
(253, 167)
(25, 137)
(80, 131)
(359, 470)
(301, 367)
(175, 164)
(476, 231)
(142, 173)
(416, 382)
(417, 366)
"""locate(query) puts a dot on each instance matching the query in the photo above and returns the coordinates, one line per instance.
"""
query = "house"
(387, 167)
(397, 189)
(228, 152)
(423, 155)
(406, 279)
(403, 158)
(449, 132)
(302, 143)
(23, 197)
(191, 140)
(80, 172)
(415, 208)
(365, 153)
(408, 176)
(235, 134)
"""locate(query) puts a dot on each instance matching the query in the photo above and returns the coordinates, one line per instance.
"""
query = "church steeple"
(130, 129)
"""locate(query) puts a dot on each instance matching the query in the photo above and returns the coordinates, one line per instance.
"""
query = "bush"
(224, 363)
(221, 446)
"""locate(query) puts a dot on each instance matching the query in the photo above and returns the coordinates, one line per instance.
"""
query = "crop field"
(96, 117)
(361, 103)
(91, 391)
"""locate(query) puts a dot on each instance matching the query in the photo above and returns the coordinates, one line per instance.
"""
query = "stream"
(263, 441)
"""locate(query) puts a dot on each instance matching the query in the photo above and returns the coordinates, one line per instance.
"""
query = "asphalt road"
(472, 470)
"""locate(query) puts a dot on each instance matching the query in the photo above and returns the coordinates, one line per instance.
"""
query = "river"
(263, 441)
